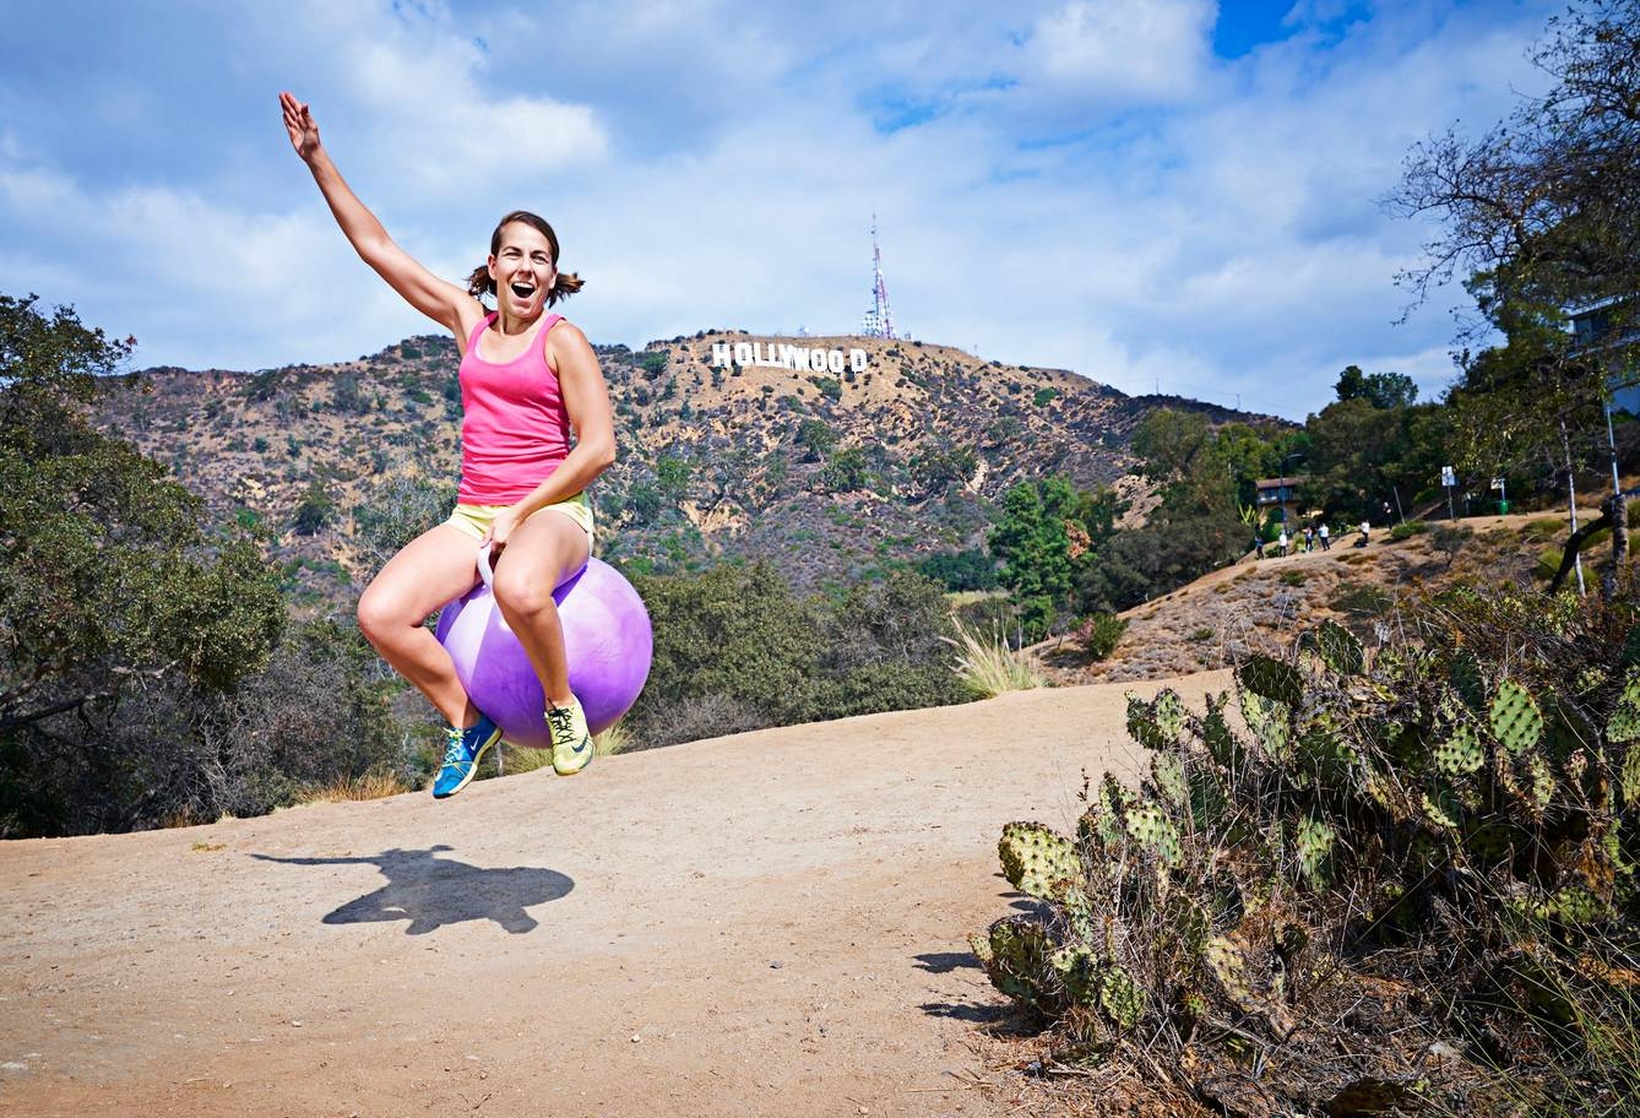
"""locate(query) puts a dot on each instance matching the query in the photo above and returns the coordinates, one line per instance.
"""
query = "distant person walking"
(529, 381)
(1281, 544)
(1309, 539)
(1365, 529)
(1326, 543)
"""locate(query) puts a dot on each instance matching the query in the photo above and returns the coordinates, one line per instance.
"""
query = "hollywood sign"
(778, 355)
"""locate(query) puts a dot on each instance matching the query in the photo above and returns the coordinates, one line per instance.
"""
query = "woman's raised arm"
(438, 299)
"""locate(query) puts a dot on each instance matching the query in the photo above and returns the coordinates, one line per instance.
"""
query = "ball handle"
(486, 569)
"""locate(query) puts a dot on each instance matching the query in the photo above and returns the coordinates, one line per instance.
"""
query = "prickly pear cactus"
(1223, 746)
(1461, 752)
(1516, 721)
(1122, 999)
(1228, 965)
(1038, 860)
(1077, 968)
(1157, 724)
(1393, 798)
(1168, 775)
(1153, 831)
(1338, 648)
(1274, 680)
(1624, 723)
(1313, 843)
(1015, 953)
(1102, 826)
(1267, 719)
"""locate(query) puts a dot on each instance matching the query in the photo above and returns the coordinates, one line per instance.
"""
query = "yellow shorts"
(475, 519)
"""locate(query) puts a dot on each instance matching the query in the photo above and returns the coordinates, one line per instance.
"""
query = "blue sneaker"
(465, 750)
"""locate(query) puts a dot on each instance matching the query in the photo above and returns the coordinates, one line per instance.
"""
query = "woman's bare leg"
(542, 552)
(438, 565)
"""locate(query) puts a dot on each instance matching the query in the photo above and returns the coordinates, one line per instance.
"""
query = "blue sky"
(1168, 194)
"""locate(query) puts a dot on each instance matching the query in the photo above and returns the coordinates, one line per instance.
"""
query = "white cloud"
(431, 119)
(1152, 50)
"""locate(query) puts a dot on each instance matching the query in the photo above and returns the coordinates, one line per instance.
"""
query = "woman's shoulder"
(561, 331)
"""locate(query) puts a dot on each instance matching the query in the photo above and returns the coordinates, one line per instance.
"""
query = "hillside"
(740, 926)
(1264, 605)
(892, 452)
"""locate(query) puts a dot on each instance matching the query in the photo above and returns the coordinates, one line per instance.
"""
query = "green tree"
(936, 469)
(1031, 542)
(846, 472)
(969, 569)
(402, 506)
(1381, 390)
(1541, 217)
(316, 510)
(816, 438)
(109, 584)
(1542, 213)
(672, 478)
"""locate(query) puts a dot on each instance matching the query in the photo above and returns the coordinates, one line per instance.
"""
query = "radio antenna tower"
(879, 321)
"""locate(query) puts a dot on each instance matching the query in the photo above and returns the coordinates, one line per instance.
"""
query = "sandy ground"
(768, 924)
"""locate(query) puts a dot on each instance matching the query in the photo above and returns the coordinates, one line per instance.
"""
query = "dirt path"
(769, 924)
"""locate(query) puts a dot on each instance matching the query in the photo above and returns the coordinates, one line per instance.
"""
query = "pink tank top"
(514, 427)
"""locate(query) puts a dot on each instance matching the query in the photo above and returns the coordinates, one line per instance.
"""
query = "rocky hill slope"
(1264, 605)
(837, 456)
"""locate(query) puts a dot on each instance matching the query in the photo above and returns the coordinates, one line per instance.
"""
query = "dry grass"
(519, 759)
(614, 740)
(370, 786)
(990, 667)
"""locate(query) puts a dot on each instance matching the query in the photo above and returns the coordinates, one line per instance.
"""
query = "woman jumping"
(528, 379)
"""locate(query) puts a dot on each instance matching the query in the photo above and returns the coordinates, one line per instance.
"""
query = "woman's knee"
(523, 591)
(380, 620)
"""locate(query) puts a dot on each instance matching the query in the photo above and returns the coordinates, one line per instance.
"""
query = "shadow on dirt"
(430, 892)
(944, 962)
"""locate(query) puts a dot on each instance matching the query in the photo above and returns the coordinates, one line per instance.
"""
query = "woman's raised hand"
(304, 134)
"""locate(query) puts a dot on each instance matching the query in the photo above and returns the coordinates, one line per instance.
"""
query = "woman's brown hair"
(479, 284)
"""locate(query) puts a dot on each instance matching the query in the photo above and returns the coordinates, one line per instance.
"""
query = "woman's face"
(523, 270)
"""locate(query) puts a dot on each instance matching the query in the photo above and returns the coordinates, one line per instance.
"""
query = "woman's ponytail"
(567, 284)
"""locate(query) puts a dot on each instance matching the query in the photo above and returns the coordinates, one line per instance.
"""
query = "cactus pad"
(1268, 722)
(1167, 773)
(1313, 842)
(1338, 648)
(1273, 679)
(1624, 724)
(1014, 952)
(1461, 753)
(1037, 859)
(1150, 829)
(1228, 964)
(1516, 721)
(1122, 999)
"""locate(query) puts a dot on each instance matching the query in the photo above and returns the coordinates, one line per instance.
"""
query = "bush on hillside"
(737, 642)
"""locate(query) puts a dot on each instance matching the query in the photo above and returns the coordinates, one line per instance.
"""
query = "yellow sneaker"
(571, 742)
